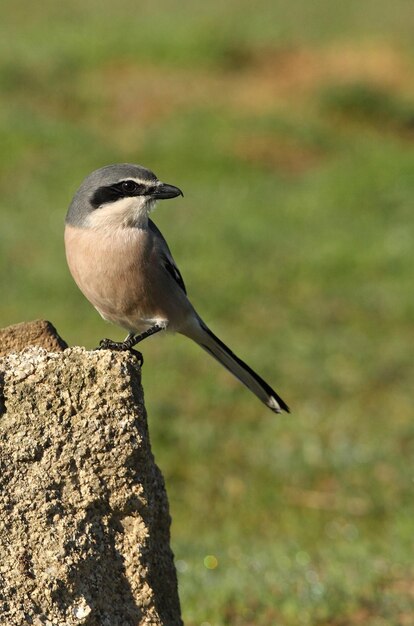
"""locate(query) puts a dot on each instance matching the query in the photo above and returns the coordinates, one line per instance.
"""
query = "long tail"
(202, 335)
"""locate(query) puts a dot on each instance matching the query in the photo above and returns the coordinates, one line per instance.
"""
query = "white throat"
(131, 212)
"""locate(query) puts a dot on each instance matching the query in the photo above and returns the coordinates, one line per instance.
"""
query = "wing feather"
(166, 257)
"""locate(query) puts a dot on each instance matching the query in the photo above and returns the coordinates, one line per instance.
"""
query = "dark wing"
(166, 256)
(173, 270)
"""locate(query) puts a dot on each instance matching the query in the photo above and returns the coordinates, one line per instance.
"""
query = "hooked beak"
(164, 191)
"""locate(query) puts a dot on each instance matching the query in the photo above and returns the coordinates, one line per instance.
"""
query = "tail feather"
(214, 346)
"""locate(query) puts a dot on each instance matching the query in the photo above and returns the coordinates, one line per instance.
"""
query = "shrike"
(124, 267)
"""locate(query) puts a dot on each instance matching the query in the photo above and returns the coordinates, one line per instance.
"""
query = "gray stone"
(84, 521)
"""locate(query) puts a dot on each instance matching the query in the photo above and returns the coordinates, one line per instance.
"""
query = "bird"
(122, 264)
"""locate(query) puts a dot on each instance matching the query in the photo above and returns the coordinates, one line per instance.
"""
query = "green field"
(290, 128)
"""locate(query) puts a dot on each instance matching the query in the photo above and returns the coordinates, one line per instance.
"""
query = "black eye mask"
(112, 193)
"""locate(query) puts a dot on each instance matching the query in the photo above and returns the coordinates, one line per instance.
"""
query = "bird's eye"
(129, 186)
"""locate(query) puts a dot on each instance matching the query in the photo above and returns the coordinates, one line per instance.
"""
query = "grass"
(290, 130)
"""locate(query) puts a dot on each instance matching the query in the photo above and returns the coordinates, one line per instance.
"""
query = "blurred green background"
(290, 128)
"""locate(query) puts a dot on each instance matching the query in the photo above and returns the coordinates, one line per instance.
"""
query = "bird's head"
(120, 195)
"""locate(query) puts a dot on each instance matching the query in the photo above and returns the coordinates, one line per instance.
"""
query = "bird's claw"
(138, 355)
(108, 344)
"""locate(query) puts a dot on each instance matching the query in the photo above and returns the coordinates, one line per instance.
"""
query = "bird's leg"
(131, 340)
(147, 333)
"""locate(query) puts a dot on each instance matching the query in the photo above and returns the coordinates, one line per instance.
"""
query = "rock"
(38, 333)
(84, 521)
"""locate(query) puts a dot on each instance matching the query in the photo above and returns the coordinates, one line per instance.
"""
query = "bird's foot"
(108, 344)
(138, 355)
(120, 346)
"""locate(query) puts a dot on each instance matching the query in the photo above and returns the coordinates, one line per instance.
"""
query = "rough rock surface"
(38, 333)
(84, 522)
